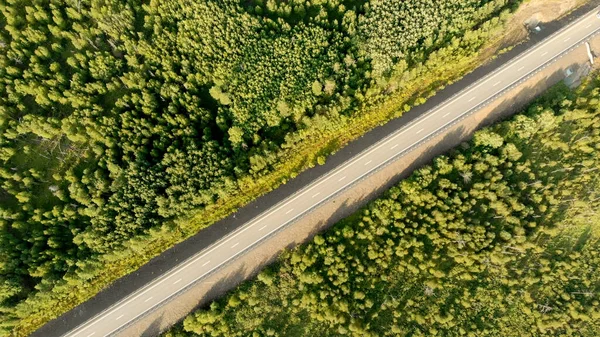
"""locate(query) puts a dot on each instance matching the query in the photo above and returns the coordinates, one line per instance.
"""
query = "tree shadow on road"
(125, 286)
(250, 264)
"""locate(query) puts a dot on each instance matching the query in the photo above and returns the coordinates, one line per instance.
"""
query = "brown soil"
(535, 11)
(353, 198)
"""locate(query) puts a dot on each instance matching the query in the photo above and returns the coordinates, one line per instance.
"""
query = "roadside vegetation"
(128, 126)
(501, 237)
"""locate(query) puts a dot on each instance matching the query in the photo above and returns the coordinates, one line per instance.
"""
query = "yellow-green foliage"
(127, 126)
(500, 238)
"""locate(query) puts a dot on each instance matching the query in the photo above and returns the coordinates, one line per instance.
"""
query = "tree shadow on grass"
(341, 206)
(170, 258)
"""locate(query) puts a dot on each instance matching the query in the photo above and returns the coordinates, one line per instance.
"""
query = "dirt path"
(533, 12)
(352, 199)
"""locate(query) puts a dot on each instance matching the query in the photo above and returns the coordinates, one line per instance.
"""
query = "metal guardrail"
(385, 164)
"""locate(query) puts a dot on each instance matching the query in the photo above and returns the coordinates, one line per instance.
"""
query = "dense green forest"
(499, 238)
(117, 117)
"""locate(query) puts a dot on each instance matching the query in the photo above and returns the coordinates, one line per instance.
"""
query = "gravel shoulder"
(352, 199)
(337, 208)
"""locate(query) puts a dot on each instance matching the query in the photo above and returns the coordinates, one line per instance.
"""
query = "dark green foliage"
(118, 116)
(500, 238)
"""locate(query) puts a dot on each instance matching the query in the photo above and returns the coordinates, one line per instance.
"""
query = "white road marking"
(544, 53)
(391, 138)
(205, 263)
(472, 98)
(148, 299)
(419, 131)
(588, 26)
(90, 335)
(342, 178)
(567, 39)
(393, 147)
(367, 163)
(521, 68)
(316, 194)
(118, 318)
(263, 227)
(446, 114)
(288, 212)
(235, 245)
(495, 84)
(177, 281)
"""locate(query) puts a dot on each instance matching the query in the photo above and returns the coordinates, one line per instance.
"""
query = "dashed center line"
(318, 193)
(263, 227)
(288, 212)
(472, 98)
(148, 299)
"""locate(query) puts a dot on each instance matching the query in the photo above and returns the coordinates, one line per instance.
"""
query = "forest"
(122, 120)
(500, 237)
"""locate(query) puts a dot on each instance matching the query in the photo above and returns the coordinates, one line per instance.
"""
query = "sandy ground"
(352, 199)
(532, 13)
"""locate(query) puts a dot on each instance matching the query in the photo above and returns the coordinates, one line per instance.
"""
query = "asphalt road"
(434, 121)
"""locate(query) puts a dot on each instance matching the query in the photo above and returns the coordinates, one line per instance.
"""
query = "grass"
(46, 305)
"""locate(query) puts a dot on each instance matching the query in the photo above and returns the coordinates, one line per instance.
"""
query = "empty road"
(163, 288)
